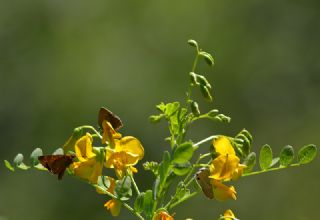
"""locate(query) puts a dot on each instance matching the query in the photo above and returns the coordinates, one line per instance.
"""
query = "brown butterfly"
(202, 177)
(105, 114)
(56, 164)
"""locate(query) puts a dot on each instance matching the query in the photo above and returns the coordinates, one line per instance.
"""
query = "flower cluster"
(119, 153)
(224, 167)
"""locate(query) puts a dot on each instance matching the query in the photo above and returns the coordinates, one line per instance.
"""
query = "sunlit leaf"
(8, 165)
(183, 153)
(286, 156)
(265, 157)
(307, 153)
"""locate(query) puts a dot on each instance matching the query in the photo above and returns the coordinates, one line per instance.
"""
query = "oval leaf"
(8, 165)
(18, 159)
(265, 157)
(34, 156)
(207, 57)
(250, 161)
(138, 203)
(183, 153)
(307, 153)
(148, 203)
(286, 156)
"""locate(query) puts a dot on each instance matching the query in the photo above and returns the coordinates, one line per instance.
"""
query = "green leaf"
(247, 134)
(307, 153)
(183, 153)
(161, 107)
(181, 169)
(18, 159)
(138, 203)
(164, 166)
(193, 43)
(203, 81)
(250, 161)
(193, 78)
(123, 188)
(195, 108)
(265, 157)
(148, 203)
(222, 118)
(34, 156)
(245, 143)
(103, 183)
(182, 191)
(156, 118)
(8, 165)
(156, 186)
(205, 93)
(207, 57)
(58, 151)
(171, 108)
(286, 156)
(274, 161)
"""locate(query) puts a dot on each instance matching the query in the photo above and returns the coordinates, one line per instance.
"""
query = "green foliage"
(183, 153)
(265, 157)
(8, 165)
(123, 189)
(286, 156)
(307, 153)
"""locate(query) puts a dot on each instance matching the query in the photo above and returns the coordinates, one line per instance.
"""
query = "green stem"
(205, 140)
(93, 129)
(181, 200)
(268, 170)
(134, 184)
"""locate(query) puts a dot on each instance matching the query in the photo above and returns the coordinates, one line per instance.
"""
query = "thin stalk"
(269, 170)
(93, 129)
(134, 184)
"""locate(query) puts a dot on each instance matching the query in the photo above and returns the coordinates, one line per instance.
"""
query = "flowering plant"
(228, 157)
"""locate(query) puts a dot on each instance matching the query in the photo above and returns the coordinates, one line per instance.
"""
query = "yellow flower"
(89, 169)
(226, 164)
(228, 215)
(114, 206)
(109, 134)
(83, 148)
(222, 192)
(163, 216)
(127, 152)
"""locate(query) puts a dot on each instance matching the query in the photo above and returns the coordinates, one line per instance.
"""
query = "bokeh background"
(61, 60)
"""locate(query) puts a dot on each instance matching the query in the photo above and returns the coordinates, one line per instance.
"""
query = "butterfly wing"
(105, 114)
(56, 164)
(202, 177)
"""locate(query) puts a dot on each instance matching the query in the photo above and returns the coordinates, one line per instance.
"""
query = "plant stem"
(134, 184)
(93, 129)
(205, 140)
(182, 200)
(271, 169)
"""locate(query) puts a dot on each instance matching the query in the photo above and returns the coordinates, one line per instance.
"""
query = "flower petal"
(114, 206)
(130, 145)
(83, 148)
(223, 146)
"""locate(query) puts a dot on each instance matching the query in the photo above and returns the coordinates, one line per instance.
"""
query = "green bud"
(204, 81)
(205, 93)
(195, 108)
(193, 43)
(193, 78)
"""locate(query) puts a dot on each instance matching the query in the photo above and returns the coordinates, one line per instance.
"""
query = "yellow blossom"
(88, 167)
(228, 215)
(226, 164)
(89, 170)
(114, 206)
(109, 133)
(163, 216)
(83, 148)
(127, 152)
(222, 192)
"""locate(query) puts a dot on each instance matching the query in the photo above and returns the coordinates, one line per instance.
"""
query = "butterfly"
(56, 164)
(202, 177)
(106, 114)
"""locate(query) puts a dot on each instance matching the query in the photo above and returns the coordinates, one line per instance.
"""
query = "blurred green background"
(61, 60)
